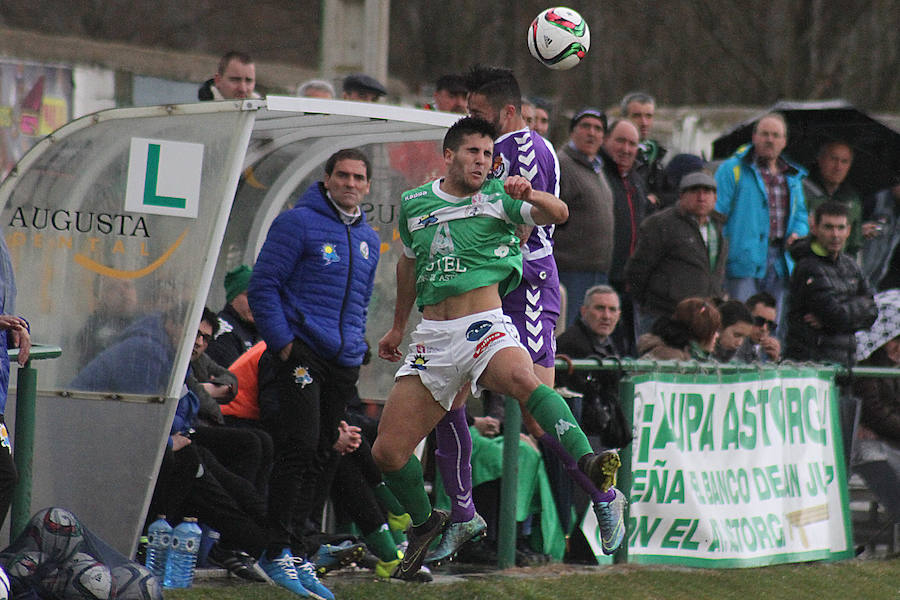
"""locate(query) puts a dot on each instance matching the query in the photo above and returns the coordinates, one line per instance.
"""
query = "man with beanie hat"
(584, 243)
(237, 329)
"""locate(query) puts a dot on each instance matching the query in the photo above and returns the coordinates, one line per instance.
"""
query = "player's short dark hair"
(211, 318)
(764, 298)
(497, 84)
(241, 57)
(832, 208)
(348, 154)
(734, 311)
(467, 126)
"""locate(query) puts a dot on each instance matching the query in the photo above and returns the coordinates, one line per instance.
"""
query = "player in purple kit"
(495, 96)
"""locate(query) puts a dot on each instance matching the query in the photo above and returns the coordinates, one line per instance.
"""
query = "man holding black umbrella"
(829, 182)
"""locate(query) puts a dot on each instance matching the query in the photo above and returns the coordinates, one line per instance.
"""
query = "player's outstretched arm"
(546, 209)
(388, 346)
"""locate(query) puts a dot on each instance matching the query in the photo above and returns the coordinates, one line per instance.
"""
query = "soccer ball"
(56, 532)
(24, 565)
(85, 578)
(135, 582)
(559, 38)
(4, 585)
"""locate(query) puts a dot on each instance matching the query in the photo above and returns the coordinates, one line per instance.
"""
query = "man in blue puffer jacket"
(761, 195)
(309, 294)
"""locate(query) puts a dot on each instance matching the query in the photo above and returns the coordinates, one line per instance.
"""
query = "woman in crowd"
(689, 334)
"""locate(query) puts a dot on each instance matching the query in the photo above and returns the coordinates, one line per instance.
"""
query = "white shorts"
(446, 354)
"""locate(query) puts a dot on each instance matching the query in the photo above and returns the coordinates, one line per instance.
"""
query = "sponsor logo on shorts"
(483, 344)
(477, 330)
(418, 362)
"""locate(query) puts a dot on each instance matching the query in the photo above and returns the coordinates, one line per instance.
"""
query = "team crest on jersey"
(418, 362)
(364, 249)
(302, 376)
(499, 168)
(502, 251)
(477, 330)
(329, 254)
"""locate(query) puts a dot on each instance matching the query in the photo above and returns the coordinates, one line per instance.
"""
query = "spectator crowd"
(757, 260)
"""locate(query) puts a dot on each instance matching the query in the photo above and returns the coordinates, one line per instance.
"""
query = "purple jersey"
(526, 153)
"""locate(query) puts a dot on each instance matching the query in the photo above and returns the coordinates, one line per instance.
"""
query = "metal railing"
(506, 541)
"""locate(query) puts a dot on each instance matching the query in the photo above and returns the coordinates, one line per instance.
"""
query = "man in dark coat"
(829, 300)
(680, 253)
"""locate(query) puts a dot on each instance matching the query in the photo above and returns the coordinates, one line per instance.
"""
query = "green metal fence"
(23, 453)
(629, 367)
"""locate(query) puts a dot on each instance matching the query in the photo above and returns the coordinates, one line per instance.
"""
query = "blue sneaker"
(329, 558)
(282, 572)
(306, 573)
(455, 536)
(610, 516)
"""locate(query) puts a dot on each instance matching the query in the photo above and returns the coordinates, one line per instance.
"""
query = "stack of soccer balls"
(55, 559)
(559, 38)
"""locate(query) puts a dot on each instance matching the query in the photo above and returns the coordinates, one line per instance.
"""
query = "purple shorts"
(536, 332)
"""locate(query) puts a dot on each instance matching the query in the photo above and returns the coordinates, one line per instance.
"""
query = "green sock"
(398, 525)
(553, 415)
(381, 543)
(408, 486)
(387, 499)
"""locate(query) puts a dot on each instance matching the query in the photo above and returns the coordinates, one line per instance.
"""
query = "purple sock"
(453, 456)
(574, 472)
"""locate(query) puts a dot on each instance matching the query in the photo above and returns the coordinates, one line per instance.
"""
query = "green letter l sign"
(150, 181)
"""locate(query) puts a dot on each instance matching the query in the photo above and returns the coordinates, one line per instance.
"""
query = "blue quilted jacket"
(313, 279)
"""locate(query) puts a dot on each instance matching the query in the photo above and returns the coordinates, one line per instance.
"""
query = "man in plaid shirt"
(760, 193)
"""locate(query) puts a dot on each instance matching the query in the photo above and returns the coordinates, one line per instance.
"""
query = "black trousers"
(311, 394)
(245, 451)
(188, 487)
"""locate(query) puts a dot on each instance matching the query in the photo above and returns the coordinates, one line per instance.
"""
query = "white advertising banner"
(737, 470)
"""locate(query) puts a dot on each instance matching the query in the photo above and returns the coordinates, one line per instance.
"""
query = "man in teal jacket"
(761, 195)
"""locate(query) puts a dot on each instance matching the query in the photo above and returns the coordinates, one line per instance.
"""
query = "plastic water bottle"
(183, 555)
(159, 539)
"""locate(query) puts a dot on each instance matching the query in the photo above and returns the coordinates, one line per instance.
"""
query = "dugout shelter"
(121, 226)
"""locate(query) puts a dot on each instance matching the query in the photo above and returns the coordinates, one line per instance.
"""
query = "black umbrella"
(810, 124)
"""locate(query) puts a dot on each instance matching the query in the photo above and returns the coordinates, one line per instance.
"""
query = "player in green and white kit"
(460, 255)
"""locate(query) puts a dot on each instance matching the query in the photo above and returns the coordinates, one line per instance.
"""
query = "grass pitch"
(869, 579)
